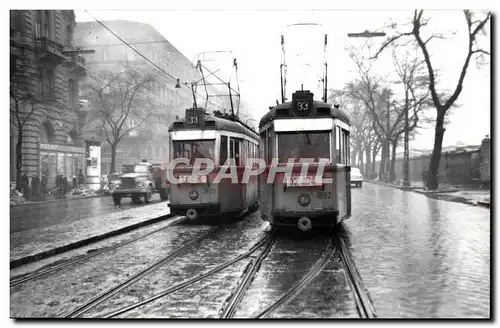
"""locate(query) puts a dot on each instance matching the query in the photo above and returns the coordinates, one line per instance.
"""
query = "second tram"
(219, 138)
(292, 132)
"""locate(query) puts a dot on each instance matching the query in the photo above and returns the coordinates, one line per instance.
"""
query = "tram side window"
(338, 150)
(234, 150)
(347, 147)
(341, 146)
(223, 150)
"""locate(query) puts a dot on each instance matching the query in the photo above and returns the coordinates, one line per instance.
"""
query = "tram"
(305, 144)
(223, 139)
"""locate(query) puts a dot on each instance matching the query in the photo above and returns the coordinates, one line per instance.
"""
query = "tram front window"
(193, 149)
(297, 145)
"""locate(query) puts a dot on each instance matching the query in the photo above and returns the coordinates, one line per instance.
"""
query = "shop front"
(58, 159)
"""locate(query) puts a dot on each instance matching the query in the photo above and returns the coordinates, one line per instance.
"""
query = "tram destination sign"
(195, 117)
(302, 103)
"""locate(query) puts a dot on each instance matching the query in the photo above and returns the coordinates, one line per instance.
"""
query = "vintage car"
(140, 180)
(356, 177)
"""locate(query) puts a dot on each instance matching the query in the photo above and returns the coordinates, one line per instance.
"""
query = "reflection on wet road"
(418, 258)
(42, 215)
(421, 257)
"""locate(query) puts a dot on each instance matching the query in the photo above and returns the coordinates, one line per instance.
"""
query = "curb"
(438, 195)
(56, 200)
(61, 249)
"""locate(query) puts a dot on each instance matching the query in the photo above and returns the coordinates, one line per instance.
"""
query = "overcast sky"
(254, 38)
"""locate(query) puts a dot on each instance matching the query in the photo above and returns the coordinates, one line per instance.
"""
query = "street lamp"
(366, 34)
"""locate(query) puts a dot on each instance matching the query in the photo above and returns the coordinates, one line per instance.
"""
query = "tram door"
(265, 190)
(236, 195)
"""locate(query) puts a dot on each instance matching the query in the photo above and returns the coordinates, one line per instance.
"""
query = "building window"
(46, 134)
(68, 36)
(71, 93)
(38, 24)
(46, 24)
(46, 83)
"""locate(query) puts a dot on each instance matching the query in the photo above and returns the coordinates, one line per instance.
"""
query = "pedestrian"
(75, 182)
(81, 178)
(34, 188)
(43, 186)
(60, 186)
(65, 186)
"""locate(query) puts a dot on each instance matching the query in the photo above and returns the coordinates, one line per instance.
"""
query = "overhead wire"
(140, 54)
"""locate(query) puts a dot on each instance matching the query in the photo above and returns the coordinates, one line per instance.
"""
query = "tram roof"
(213, 122)
(272, 114)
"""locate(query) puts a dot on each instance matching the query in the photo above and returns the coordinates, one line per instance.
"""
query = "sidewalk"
(35, 244)
(450, 193)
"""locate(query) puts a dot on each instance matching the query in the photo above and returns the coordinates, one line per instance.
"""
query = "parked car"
(356, 177)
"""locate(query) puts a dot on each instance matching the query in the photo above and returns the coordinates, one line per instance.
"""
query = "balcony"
(76, 64)
(49, 51)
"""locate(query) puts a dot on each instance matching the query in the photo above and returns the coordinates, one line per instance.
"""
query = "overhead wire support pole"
(283, 69)
(325, 91)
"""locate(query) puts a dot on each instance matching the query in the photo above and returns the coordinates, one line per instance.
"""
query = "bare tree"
(358, 119)
(26, 102)
(442, 104)
(416, 97)
(123, 100)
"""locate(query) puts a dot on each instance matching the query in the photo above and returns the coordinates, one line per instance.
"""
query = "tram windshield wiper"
(308, 140)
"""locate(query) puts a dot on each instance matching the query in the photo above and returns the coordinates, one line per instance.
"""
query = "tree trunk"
(433, 179)
(384, 159)
(360, 159)
(19, 158)
(368, 160)
(113, 157)
(353, 158)
(374, 156)
(393, 160)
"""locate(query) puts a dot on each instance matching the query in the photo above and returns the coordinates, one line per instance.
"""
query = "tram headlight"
(304, 199)
(193, 195)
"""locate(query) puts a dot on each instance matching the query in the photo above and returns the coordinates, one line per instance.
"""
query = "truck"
(140, 180)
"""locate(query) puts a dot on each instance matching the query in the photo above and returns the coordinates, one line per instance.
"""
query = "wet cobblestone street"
(417, 258)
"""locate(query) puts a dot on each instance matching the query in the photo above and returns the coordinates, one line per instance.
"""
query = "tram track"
(326, 254)
(266, 240)
(246, 280)
(40, 273)
(138, 276)
(362, 300)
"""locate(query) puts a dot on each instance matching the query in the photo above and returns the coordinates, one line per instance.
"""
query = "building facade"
(45, 73)
(150, 139)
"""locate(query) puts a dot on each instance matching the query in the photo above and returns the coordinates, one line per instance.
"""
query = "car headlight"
(304, 199)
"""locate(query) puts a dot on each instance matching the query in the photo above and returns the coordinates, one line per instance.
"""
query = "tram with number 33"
(307, 144)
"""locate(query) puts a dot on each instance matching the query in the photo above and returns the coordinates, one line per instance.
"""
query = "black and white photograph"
(266, 162)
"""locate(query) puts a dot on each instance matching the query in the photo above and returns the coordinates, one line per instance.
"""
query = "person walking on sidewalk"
(81, 177)
(43, 186)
